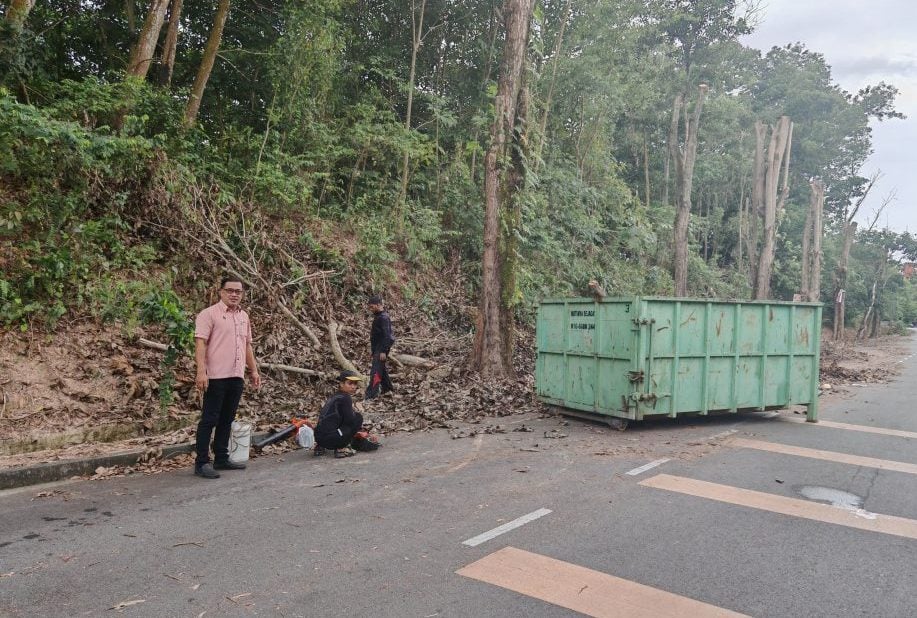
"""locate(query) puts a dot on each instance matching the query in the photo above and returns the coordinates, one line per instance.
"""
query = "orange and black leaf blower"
(289, 431)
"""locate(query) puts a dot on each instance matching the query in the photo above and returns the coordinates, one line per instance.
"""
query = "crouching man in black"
(337, 422)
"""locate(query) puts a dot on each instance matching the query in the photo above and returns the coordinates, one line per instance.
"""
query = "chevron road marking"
(864, 428)
(811, 453)
(583, 590)
(860, 519)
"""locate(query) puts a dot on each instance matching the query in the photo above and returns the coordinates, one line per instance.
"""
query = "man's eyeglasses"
(233, 291)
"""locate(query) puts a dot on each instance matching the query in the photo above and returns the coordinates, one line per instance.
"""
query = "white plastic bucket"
(240, 439)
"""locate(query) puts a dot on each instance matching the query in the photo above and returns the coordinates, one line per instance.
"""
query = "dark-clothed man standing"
(222, 351)
(381, 341)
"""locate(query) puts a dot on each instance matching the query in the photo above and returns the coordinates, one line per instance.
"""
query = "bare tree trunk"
(756, 211)
(840, 273)
(740, 265)
(489, 344)
(142, 52)
(171, 44)
(673, 144)
(777, 152)
(840, 281)
(17, 11)
(509, 258)
(876, 314)
(646, 169)
(865, 322)
(203, 72)
(813, 292)
(416, 42)
(805, 255)
(684, 179)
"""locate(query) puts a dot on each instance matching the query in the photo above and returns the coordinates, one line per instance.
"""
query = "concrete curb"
(61, 470)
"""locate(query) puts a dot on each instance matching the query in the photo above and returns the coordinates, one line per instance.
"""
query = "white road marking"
(646, 467)
(512, 525)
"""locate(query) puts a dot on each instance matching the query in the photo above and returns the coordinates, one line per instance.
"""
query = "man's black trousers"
(220, 402)
(379, 382)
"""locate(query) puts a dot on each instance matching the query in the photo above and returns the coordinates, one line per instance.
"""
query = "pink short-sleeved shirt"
(227, 334)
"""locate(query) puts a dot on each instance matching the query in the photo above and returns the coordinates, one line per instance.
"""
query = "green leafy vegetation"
(303, 133)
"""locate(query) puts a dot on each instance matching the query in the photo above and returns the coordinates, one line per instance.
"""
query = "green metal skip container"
(622, 359)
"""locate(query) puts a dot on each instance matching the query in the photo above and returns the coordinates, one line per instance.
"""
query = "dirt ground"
(74, 398)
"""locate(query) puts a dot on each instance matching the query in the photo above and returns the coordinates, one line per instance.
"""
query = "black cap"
(375, 299)
(351, 376)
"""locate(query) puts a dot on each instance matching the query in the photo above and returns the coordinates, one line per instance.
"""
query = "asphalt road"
(735, 520)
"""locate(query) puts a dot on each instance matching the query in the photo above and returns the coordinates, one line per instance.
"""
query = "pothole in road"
(837, 498)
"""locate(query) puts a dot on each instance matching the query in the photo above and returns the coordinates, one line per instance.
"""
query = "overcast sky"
(864, 42)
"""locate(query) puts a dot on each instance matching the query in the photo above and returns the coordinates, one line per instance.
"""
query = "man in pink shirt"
(222, 351)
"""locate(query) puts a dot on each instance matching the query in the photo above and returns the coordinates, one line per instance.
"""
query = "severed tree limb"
(333, 328)
(274, 366)
(299, 323)
(153, 344)
(254, 277)
(410, 360)
(290, 369)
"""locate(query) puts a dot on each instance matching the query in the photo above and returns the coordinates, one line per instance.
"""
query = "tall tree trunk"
(840, 281)
(171, 45)
(756, 211)
(203, 72)
(876, 314)
(684, 179)
(416, 41)
(806, 253)
(742, 236)
(778, 153)
(840, 272)
(646, 169)
(489, 345)
(808, 238)
(509, 242)
(867, 317)
(17, 11)
(813, 291)
(142, 53)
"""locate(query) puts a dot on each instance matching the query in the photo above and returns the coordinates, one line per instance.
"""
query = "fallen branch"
(290, 369)
(333, 328)
(274, 366)
(299, 324)
(411, 361)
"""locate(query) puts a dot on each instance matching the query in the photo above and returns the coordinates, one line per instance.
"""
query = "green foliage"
(304, 119)
(61, 229)
(164, 307)
(374, 258)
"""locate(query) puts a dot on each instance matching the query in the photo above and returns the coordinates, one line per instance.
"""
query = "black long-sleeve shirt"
(381, 338)
(336, 413)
